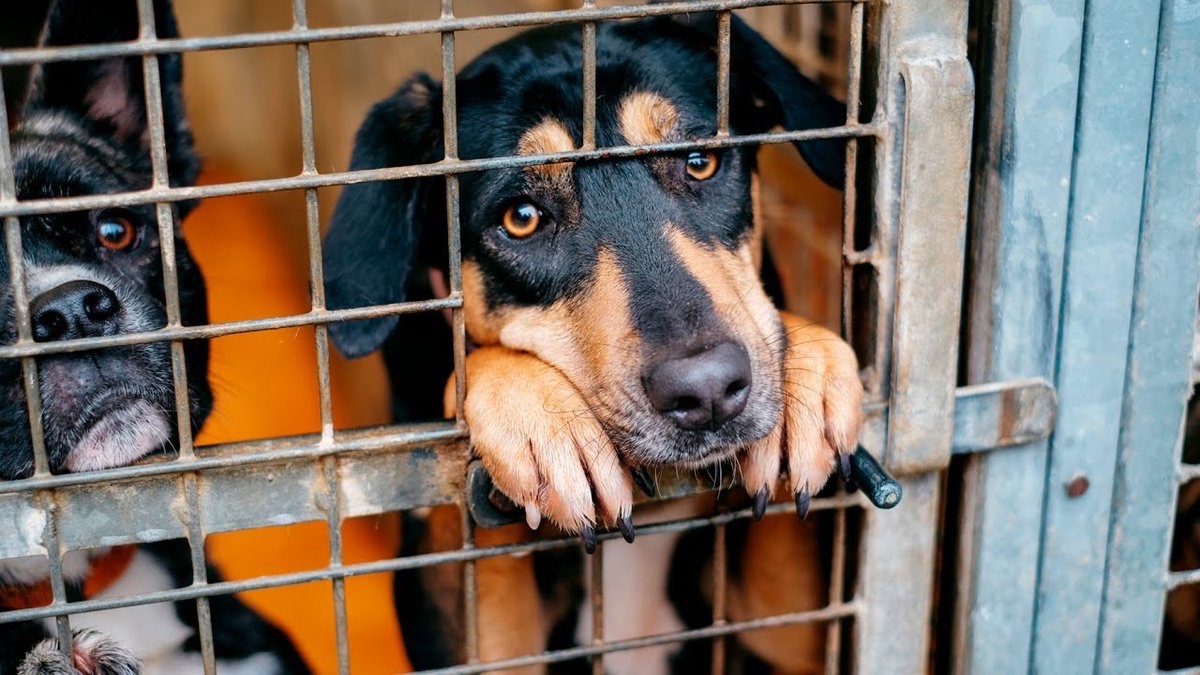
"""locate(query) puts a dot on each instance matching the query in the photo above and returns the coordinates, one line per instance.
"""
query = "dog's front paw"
(822, 415)
(542, 445)
(92, 653)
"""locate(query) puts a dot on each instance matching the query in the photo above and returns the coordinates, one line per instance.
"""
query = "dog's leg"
(542, 445)
(779, 573)
(822, 415)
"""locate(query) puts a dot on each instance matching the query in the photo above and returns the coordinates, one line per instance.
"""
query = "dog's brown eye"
(522, 220)
(115, 233)
(702, 165)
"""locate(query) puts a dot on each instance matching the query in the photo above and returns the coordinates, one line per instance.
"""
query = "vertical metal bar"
(724, 21)
(720, 585)
(589, 80)
(333, 514)
(850, 190)
(1157, 374)
(450, 126)
(54, 555)
(1022, 190)
(312, 213)
(1112, 128)
(29, 376)
(166, 224)
(596, 597)
(16, 269)
(837, 589)
(196, 537)
(921, 170)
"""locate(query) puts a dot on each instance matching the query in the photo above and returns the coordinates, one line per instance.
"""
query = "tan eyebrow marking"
(647, 118)
(548, 137)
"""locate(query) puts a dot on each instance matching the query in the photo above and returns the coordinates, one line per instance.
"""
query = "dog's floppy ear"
(109, 95)
(374, 239)
(768, 91)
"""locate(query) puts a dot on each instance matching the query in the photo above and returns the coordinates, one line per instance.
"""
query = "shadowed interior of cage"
(1180, 648)
(300, 329)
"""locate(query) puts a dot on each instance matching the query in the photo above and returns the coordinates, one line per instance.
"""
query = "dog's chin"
(661, 444)
(122, 435)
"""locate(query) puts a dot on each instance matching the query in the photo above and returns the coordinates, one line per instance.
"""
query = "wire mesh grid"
(332, 452)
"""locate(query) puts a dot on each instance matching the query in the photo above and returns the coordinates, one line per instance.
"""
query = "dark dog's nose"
(74, 310)
(702, 391)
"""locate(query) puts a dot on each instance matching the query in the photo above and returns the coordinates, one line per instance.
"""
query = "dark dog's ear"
(768, 91)
(109, 95)
(374, 239)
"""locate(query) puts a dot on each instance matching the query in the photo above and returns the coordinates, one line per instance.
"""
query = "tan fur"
(542, 434)
(781, 574)
(549, 137)
(647, 118)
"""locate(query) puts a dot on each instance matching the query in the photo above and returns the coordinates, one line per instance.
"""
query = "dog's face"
(83, 131)
(637, 278)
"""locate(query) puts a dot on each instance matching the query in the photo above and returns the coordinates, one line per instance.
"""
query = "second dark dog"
(83, 131)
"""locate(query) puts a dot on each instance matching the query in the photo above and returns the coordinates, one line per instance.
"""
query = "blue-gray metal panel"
(1017, 246)
(1116, 88)
(1157, 377)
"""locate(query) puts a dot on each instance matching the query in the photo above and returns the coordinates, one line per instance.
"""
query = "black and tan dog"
(82, 131)
(624, 327)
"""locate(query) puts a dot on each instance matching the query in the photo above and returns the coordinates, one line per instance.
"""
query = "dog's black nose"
(75, 309)
(702, 391)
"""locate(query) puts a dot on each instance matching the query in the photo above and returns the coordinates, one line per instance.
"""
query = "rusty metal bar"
(196, 537)
(850, 187)
(792, 619)
(216, 330)
(407, 563)
(54, 554)
(461, 166)
(724, 22)
(30, 56)
(166, 223)
(720, 584)
(595, 574)
(589, 80)
(332, 505)
(837, 589)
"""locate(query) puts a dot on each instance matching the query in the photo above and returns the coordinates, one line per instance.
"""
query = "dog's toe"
(822, 415)
(541, 444)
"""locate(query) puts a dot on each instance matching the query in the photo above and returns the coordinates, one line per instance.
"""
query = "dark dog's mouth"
(116, 430)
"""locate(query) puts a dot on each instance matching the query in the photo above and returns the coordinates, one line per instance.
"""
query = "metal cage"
(909, 91)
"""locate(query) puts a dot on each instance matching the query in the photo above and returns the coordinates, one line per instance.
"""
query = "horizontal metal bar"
(1003, 414)
(830, 613)
(1187, 578)
(20, 57)
(250, 453)
(215, 330)
(446, 167)
(405, 563)
(1189, 472)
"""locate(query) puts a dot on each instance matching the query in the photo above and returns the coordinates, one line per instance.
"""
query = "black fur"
(82, 131)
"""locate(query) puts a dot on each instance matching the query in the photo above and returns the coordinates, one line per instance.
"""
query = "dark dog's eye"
(115, 233)
(522, 219)
(702, 165)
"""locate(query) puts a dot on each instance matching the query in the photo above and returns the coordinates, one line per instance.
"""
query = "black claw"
(625, 524)
(644, 482)
(588, 535)
(802, 499)
(844, 466)
(760, 503)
